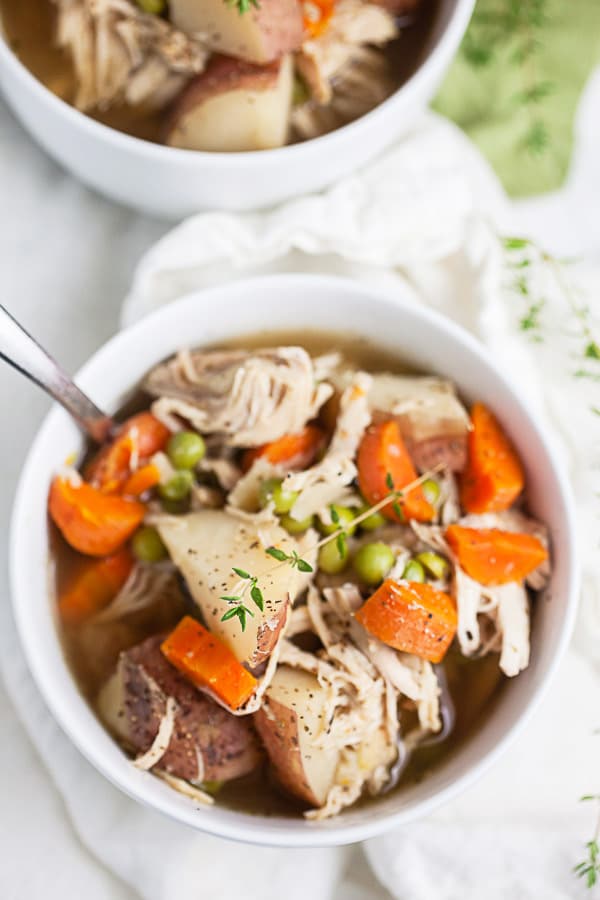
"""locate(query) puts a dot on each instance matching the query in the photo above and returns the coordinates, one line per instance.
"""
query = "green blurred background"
(515, 85)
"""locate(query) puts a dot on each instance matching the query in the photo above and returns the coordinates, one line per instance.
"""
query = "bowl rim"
(265, 831)
(446, 43)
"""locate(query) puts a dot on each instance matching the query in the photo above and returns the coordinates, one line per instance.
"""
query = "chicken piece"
(326, 481)
(353, 25)
(204, 742)
(249, 398)
(206, 545)
(490, 619)
(432, 420)
(260, 35)
(121, 54)
(361, 85)
(234, 106)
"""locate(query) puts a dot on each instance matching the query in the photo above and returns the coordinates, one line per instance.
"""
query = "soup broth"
(92, 650)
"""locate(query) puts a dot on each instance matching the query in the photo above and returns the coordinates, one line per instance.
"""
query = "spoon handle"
(23, 352)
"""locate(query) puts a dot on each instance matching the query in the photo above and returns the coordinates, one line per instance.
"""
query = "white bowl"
(173, 183)
(420, 337)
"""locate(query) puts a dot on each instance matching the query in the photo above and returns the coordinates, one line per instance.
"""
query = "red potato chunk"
(261, 35)
(289, 722)
(234, 106)
(208, 743)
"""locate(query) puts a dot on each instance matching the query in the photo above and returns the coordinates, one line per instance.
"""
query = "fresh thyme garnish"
(589, 868)
(243, 6)
(526, 260)
(238, 608)
(514, 24)
(294, 560)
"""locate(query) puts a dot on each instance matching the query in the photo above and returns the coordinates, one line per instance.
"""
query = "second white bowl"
(422, 339)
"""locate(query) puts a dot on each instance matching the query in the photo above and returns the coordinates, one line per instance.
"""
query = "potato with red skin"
(260, 35)
(207, 744)
(288, 722)
(233, 106)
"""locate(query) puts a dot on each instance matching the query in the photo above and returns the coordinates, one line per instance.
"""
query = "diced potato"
(433, 421)
(259, 35)
(288, 722)
(205, 546)
(234, 106)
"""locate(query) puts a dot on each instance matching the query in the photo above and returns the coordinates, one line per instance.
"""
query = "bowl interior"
(399, 325)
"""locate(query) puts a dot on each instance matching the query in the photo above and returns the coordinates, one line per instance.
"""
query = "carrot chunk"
(296, 451)
(208, 663)
(411, 617)
(93, 585)
(138, 439)
(141, 480)
(494, 477)
(94, 523)
(491, 556)
(383, 460)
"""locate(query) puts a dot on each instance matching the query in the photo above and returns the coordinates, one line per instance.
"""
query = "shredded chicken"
(365, 82)
(489, 618)
(185, 787)
(160, 744)
(144, 587)
(250, 398)
(353, 24)
(123, 54)
(322, 483)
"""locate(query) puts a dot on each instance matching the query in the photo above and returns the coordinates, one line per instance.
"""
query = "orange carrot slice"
(94, 523)
(138, 438)
(141, 480)
(296, 451)
(208, 663)
(93, 585)
(383, 460)
(494, 477)
(491, 556)
(411, 617)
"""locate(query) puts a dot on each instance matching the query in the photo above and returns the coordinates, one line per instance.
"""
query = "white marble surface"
(66, 257)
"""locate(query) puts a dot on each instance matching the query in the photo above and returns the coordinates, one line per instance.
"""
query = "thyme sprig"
(523, 255)
(239, 609)
(249, 583)
(516, 23)
(589, 868)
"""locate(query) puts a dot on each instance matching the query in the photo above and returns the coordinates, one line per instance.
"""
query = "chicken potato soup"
(294, 579)
(221, 75)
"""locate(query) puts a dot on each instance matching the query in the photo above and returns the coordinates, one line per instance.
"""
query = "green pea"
(373, 562)
(147, 545)
(330, 560)
(434, 564)
(414, 571)
(155, 7)
(178, 486)
(344, 515)
(296, 526)
(372, 522)
(431, 490)
(273, 489)
(185, 449)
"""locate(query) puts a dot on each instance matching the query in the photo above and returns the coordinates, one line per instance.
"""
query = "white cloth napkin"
(427, 212)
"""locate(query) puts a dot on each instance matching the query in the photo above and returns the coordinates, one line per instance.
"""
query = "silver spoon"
(23, 352)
